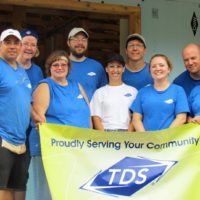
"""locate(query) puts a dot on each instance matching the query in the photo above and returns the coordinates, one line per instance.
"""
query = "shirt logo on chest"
(29, 86)
(91, 74)
(128, 95)
(169, 101)
(80, 96)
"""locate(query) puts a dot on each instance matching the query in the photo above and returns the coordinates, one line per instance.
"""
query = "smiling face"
(10, 48)
(160, 68)
(135, 50)
(29, 47)
(78, 45)
(191, 58)
(115, 70)
(59, 69)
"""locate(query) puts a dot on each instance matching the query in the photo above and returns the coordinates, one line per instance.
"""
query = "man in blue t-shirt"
(15, 98)
(191, 76)
(136, 72)
(88, 72)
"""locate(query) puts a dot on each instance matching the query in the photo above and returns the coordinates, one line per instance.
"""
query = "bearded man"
(88, 72)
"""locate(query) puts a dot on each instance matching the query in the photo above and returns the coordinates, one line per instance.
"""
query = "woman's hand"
(195, 119)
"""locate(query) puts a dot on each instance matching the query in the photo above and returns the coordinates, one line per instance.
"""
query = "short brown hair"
(55, 56)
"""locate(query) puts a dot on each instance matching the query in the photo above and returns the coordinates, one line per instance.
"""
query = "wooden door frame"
(133, 13)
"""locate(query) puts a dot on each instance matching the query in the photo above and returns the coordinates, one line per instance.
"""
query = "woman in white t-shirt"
(110, 103)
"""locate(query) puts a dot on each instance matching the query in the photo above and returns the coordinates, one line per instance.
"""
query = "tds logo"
(128, 176)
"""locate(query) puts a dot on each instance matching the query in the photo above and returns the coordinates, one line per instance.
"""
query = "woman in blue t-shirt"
(160, 105)
(56, 100)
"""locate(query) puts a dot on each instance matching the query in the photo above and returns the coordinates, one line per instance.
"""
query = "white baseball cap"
(76, 30)
(9, 32)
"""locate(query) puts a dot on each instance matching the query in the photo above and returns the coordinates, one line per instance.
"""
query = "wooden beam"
(135, 22)
(75, 5)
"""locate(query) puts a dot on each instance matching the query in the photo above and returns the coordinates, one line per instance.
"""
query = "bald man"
(191, 76)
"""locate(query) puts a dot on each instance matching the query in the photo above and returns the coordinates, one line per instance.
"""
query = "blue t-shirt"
(137, 79)
(90, 74)
(185, 81)
(194, 101)
(15, 99)
(159, 108)
(67, 106)
(35, 74)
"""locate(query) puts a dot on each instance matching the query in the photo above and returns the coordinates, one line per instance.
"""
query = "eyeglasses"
(33, 46)
(79, 40)
(136, 46)
(57, 65)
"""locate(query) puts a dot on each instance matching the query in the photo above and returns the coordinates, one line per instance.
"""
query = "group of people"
(78, 91)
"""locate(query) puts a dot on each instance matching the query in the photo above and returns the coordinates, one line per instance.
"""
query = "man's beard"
(78, 55)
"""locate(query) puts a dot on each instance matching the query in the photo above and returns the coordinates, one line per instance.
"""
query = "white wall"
(168, 33)
(171, 31)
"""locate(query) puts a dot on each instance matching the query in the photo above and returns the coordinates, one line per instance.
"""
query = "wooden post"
(135, 22)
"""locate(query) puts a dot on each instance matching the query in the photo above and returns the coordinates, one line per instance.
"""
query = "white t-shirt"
(111, 104)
